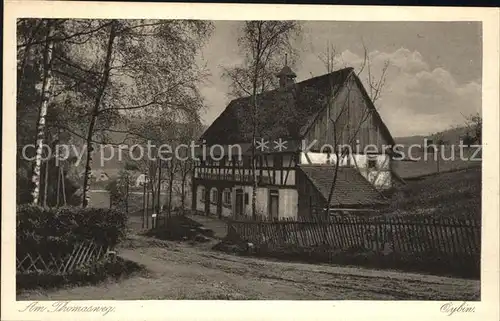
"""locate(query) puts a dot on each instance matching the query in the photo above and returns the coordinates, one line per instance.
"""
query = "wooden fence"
(389, 235)
(83, 253)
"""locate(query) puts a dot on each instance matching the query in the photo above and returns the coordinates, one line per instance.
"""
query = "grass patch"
(455, 194)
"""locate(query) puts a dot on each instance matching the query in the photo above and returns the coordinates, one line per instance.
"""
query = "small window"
(202, 191)
(227, 197)
(372, 164)
(246, 198)
(214, 196)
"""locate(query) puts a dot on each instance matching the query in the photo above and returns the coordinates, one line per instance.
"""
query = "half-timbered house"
(301, 129)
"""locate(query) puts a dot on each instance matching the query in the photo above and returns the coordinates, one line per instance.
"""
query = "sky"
(433, 79)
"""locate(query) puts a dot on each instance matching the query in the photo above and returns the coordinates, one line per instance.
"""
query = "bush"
(25, 186)
(114, 268)
(58, 230)
(175, 228)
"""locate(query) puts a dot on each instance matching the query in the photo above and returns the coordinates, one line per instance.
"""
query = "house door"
(273, 204)
(239, 203)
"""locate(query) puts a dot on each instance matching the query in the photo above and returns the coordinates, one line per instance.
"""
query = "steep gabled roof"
(282, 113)
(351, 188)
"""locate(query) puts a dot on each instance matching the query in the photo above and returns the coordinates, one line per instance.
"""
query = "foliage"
(107, 268)
(107, 72)
(25, 185)
(264, 46)
(474, 124)
(119, 190)
(426, 197)
(176, 227)
(49, 230)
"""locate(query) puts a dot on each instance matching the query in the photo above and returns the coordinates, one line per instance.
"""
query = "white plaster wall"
(381, 180)
(379, 177)
(200, 205)
(288, 199)
(213, 206)
(227, 212)
(320, 158)
(360, 160)
(262, 201)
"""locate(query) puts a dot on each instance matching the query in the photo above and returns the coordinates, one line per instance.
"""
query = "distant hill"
(450, 158)
(450, 136)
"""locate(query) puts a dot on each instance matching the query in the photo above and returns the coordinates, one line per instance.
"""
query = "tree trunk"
(63, 184)
(27, 50)
(126, 194)
(46, 183)
(147, 205)
(183, 191)
(47, 79)
(58, 187)
(170, 188)
(100, 94)
(254, 131)
(144, 205)
(153, 197)
(159, 187)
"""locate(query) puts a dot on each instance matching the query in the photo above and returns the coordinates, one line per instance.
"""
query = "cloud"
(416, 99)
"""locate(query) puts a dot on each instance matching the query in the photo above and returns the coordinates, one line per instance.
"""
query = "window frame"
(371, 161)
(226, 197)
(203, 197)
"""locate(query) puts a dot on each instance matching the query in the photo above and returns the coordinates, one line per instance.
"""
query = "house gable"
(356, 120)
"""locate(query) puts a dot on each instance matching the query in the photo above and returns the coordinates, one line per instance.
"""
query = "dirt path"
(182, 271)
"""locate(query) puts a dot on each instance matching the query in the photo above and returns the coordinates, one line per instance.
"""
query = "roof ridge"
(327, 74)
(297, 83)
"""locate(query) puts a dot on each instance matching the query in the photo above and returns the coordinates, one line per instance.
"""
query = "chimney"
(286, 76)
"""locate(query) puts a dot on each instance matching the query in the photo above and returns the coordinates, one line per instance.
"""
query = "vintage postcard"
(258, 162)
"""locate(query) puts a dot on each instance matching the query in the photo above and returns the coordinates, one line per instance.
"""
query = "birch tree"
(107, 71)
(47, 79)
(95, 111)
(263, 44)
(332, 61)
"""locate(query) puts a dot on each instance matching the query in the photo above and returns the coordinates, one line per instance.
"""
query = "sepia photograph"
(211, 159)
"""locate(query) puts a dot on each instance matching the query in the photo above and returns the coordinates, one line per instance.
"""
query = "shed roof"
(351, 188)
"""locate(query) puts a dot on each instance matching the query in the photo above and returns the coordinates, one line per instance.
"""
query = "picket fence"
(386, 235)
(83, 253)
